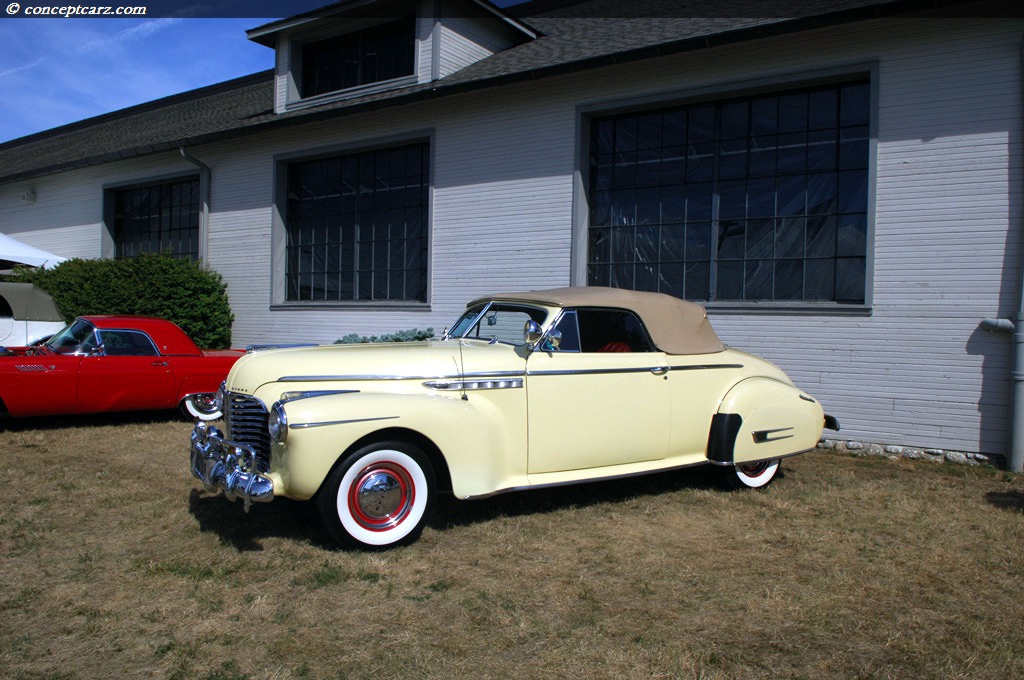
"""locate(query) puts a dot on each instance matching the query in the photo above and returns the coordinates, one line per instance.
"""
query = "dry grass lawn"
(116, 564)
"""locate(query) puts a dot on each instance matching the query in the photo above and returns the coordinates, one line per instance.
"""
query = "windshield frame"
(474, 316)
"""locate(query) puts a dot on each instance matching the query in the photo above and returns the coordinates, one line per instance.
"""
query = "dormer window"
(372, 55)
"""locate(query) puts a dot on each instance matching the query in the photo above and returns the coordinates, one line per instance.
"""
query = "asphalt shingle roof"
(586, 35)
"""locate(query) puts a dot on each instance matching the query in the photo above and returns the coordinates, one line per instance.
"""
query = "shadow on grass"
(282, 518)
(300, 521)
(451, 512)
(1006, 500)
(8, 424)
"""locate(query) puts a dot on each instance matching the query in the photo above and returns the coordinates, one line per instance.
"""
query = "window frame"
(294, 69)
(279, 256)
(113, 246)
(714, 95)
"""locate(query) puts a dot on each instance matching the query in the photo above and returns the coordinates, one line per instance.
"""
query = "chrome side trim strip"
(287, 397)
(656, 370)
(701, 367)
(467, 376)
(460, 385)
(303, 426)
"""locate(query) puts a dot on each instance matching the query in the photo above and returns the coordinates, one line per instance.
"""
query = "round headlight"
(277, 424)
(218, 398)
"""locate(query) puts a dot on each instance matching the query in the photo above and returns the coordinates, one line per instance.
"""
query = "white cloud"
(26, 67)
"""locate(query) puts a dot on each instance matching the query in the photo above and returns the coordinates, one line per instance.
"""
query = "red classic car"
(113, 363)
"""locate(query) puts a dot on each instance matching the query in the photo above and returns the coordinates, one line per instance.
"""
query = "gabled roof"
(572, 37)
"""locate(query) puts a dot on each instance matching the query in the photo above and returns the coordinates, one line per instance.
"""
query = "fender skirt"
(722, 438)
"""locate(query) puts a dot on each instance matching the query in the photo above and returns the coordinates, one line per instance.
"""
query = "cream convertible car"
(526, 390)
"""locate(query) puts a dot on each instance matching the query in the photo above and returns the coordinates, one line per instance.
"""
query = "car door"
(600, 399)
(127, 375)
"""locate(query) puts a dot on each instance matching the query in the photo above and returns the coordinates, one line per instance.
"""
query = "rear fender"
(761, 418)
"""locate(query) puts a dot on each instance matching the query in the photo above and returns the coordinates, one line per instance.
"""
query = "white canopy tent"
(14, 252)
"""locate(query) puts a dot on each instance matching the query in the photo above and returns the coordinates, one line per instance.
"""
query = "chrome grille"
(246, 420)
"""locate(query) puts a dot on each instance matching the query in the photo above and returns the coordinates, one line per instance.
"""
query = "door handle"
(659, 370)
(159, 363)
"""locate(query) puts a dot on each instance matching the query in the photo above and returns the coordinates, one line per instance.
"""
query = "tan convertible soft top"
(676, 326)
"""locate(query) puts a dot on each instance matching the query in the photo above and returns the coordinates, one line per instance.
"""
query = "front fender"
(762, 418)
(483, 442)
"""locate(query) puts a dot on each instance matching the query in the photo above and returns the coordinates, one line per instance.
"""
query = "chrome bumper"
(227, 466)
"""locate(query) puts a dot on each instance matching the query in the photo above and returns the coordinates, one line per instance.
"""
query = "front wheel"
(379, 497)
(201, 406)
(750, 475)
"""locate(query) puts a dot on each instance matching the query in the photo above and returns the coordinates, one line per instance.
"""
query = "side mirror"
(532, 333)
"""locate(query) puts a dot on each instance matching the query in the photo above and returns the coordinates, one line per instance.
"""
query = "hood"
(362, 362)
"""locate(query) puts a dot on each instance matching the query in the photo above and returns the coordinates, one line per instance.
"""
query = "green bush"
(150, 285)
(411, 335)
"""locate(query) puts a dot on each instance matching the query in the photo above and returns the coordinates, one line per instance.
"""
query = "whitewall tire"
(380, 496)
(201, 406)
(751, 475)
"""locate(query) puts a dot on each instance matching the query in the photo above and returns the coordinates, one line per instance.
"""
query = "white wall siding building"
(508, 209)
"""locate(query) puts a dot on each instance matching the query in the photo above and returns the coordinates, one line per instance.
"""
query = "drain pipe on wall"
(1015, 461)
(204, 197)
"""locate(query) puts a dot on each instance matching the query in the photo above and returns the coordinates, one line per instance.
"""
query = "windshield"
(499, 321)
(79, 337)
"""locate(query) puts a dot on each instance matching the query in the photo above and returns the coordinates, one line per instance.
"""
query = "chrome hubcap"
(381, 496)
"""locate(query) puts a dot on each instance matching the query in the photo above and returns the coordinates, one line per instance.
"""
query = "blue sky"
(55, 71)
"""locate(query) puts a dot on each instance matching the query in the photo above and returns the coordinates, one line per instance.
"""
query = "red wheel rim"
(381, 496)
(754, 469)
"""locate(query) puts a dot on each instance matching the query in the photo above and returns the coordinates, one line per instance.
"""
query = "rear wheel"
(750, 475)
(379, 497)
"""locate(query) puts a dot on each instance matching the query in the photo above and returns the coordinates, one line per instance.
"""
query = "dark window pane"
(673, 243)
(854, 103)
(760, 239)
(821, 150)
(757, 198)
(701, 129)
(698, 242)
(356, 226)
(729, 284)
(758, 280)
(789, 237)
(735, 120)
(819, 282)
(850, 280)
(626, 133)
(670, 279)
(852, 235)
(732, 200)
(821, 194)
(355, 59)
(158, 218)
(789, 279)
(649, 131)
(853, 192)
(763, 153)
(821, 236)
(673, 204)
(793, 113)
(699, 200)
(698, 281)
(732, 161)
(764, 116)
(761, 197)
(673, 129)
(731, 240)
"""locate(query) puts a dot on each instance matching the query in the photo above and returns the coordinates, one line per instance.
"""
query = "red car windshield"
(78, 338)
